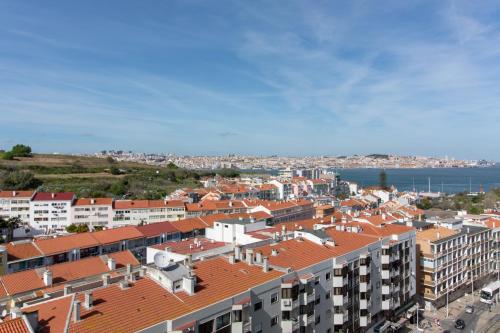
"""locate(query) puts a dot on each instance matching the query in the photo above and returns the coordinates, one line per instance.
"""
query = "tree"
(10, 224)
(20, 150)
(77, 228)
(110, 160)
(382, 178)
(8, 155)
(114, 170)
(490, 200)
(172, 166)
(118, 188)
(20, 180)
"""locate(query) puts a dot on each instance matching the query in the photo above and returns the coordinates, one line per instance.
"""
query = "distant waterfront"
(449, 180)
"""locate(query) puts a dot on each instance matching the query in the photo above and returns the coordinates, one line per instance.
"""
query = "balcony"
(364, 321)
(339, 318)
(339, 281)
(385, 259)
(287, 304)
(386, 290)
(306, 298)
(338, 300)
(364, 270)
(385, 274)
(387, 304)
(364, 304)
(291, 325)
(363, 287)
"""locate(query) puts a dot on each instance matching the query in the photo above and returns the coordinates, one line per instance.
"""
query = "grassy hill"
(92, 176)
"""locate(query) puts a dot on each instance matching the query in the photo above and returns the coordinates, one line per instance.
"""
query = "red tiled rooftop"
(16, 325)
(93, 201)
(189, 246)
(53, 314)
(22, 250)
(58, 196)
(110, 236)
(155, 229)
(65, 243)
(16, 194)
(138, 204)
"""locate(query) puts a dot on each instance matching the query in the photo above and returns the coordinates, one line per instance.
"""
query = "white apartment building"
(284, 189)
(15, 204)
(135, 212)
(51, 211)
(92, 212)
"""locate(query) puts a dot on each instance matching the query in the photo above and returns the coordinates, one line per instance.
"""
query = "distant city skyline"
(252, 78)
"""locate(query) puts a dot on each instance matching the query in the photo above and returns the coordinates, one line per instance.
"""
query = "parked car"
(459, 324)
(469, 309)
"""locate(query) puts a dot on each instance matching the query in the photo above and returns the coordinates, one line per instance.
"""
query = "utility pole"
(429, 178)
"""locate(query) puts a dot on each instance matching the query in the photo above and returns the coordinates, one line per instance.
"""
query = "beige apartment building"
(451, 263)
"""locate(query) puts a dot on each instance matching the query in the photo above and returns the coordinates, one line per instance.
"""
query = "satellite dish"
(4, 313)
(162, 260)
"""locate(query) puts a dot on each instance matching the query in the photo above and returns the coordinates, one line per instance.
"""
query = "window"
(327, 295)
(285, 315)
(328, 276)
(274, 321)
(318, 300)
(257, 306)
(316, 280)
(317, 320)
(274, 298)
(223, 321)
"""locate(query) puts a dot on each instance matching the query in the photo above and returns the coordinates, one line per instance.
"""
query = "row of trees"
(18, 150)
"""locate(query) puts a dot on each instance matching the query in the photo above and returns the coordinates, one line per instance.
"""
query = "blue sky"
(252, 77)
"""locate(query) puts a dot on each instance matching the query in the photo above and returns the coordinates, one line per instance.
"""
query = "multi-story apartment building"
(92, 212)
(15, 204)
(494, 225)
(135, 212)
(51, 211)
(451, 262)
(277, 287)
(284, 188)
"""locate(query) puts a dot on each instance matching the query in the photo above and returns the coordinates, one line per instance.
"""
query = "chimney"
(265, 264)
(258, 257)
(76, 311)
(47, 278)
(237, 253)
(249, 256)
(53, 195)
(274, 252)
(231, 259)
(106, 279)
(188, 283)
(111, 264)
(67, 289)
(123, 284)
(383, 216)
(188, 260)
(129, 269)
(89, 300)
(92, 201)
(14, 193)
(438, 235)
(15, 312)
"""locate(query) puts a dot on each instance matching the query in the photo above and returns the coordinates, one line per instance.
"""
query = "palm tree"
(10, 224)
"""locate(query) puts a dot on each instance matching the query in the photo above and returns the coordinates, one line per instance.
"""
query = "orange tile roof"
(117, 234)
(93, 201)
(492, 223)
(212, 205)
(138, 204)
(16, 325)
(143, 304)
(18, 251)
(432, 234)
(16, 194)
(296, 254)
(66, 243)
(379, 231)
(155, 229)
(52, 315)
(32, 279)
(189, 245)
(188, 225)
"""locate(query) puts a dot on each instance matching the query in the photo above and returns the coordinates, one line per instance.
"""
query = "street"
(480, 321)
